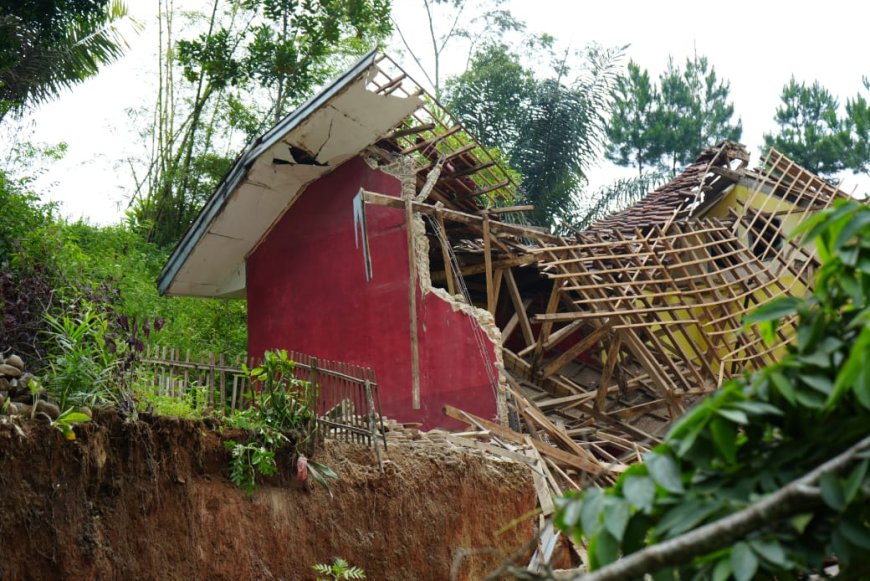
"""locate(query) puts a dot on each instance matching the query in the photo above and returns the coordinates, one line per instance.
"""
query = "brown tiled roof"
(676, 198)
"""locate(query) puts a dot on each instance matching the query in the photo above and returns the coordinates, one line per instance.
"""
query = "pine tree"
(632, 130)
(810, 130)
(668, 124)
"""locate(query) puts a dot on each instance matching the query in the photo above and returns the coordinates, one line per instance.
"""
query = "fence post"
(373, 436)
(223, 379)
(312, 394)
(211, 378)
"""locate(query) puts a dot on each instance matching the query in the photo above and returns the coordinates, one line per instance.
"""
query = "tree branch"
(790, 499)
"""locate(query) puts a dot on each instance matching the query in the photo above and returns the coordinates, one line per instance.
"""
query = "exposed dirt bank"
(151, 500)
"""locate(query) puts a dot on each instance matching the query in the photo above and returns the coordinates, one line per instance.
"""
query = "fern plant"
(338, 570)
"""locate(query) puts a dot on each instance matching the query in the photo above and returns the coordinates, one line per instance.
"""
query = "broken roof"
(373, 107)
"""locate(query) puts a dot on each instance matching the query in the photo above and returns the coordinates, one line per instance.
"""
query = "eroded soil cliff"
(151, 499)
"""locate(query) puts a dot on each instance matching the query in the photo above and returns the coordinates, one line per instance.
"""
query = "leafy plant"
(769, 475)
(82, 363)
(279, 402)
(283, 400)
(338, 570)
(250, 459)
(66, 421)
(190, 405)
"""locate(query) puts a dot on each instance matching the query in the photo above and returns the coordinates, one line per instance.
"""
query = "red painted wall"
(307, 292)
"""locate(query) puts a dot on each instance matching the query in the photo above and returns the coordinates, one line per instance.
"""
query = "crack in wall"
(406, 172)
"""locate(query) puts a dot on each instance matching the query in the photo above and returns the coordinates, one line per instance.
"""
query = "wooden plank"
(517, 438)
(412, 306)
(487, 257)
(517, 300)
(609, 366)
(572, 352)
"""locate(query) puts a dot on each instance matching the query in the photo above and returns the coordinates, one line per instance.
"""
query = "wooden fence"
(347, 402)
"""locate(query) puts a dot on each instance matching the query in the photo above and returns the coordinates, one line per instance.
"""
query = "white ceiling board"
(335, 132)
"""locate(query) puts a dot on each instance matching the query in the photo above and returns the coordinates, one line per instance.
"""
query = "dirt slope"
(151, 500)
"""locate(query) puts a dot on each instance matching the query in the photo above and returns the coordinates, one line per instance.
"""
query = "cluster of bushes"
(54, 269)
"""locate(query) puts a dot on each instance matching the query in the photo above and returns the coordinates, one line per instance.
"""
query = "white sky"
(755, 45)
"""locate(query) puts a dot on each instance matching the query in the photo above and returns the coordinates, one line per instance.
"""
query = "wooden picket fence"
(347, 402)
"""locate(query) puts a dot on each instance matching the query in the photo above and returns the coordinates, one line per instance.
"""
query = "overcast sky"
(755, 45)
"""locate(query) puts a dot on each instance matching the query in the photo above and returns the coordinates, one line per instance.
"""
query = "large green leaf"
(664, 471)
(744, 563)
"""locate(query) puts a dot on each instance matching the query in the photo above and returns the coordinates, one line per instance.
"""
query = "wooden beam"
(546, 327)
(517, 300)
(517, 438)
(462, 217)
(412, 306)
(572, 352)
(487, 258)
(472, 269)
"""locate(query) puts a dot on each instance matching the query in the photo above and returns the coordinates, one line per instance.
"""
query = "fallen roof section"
(639, 317)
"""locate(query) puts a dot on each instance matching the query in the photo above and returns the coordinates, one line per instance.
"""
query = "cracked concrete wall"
(406, 172)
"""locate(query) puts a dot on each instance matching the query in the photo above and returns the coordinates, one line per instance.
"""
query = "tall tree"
(491, 94)
(632, 131)
(857, 123)
(810, 130)
(47, 46)
(249, 64)
(458, 27)
(550, 130)
(667, 124)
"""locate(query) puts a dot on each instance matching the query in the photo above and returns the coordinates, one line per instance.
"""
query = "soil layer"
(152, 500)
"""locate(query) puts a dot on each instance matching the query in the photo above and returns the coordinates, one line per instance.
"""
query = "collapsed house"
(369, 227)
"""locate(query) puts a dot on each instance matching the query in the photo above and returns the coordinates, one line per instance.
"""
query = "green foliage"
(283, 401)
(81, 365)
(47, 46)
(250, 459)
(669, 123)
(66, 422)
(338, 570)
(560, 123)
(759, 433)
(242, 68)
(191, 405)
(809, 129)
(490, 94)
(60, 269)
(280, 404)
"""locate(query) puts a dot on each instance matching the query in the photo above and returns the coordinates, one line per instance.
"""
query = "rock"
(24, 398)
(25, 379)
(48, 409)
(19, 409)
(9, 370)
(15, 361)
(5, 385)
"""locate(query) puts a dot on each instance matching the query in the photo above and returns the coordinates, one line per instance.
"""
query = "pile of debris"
(20, 392)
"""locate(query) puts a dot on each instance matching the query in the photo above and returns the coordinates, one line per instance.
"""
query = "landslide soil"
(152, 500)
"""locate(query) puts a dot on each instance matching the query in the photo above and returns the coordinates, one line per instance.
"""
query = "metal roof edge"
(237, 173)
